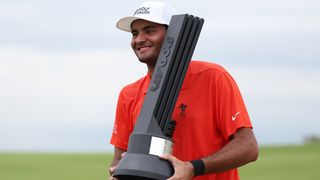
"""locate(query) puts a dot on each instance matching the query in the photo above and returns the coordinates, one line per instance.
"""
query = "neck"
(150, 69)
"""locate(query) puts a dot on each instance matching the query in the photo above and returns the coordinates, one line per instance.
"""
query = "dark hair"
(164, 25)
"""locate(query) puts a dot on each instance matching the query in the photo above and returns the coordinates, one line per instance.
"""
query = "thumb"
(112, 169)
(123, 154)
(167, 157)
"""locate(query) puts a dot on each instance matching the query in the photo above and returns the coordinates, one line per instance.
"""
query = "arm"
(116, 158)
(241, 150)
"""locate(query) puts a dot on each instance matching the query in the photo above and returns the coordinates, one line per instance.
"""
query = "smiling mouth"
(143, 48)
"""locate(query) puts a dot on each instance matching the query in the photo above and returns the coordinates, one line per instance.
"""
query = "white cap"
(154, 11)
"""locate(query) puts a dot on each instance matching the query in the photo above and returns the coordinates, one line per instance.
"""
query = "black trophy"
(153, 131)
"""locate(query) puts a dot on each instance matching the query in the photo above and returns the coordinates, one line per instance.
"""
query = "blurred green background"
(275, 162)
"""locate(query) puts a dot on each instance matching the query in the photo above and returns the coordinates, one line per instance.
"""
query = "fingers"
(166, 156)
(169, 158)
(113, 167)
(182, 170)
(111, 171)
(123, 154)
(112, 178)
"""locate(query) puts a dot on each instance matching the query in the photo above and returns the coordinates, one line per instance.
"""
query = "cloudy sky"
(63, 63)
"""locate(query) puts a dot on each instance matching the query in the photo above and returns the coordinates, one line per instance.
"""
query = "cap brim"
(125, 23)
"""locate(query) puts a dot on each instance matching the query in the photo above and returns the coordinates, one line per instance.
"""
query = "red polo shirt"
(208, 111)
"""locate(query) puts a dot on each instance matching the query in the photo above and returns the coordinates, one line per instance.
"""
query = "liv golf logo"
(142, 10)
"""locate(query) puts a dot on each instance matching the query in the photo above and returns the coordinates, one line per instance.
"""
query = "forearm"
(114, 162)
(116, 158)
(241, 150)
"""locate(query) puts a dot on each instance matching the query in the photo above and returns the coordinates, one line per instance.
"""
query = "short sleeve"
(121, 131)
(232, 113)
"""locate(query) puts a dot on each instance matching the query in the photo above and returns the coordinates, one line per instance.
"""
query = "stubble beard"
(150, 59)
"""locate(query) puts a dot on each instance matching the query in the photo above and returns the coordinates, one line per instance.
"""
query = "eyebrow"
(148, 27)
(144, 28)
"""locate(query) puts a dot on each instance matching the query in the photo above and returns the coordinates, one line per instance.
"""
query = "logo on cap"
(142, 10)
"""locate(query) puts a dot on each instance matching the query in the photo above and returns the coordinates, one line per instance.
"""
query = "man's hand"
(111, 171)
(119, 153)
(182, 170)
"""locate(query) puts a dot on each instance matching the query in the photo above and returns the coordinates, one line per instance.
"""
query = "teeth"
(142, 48)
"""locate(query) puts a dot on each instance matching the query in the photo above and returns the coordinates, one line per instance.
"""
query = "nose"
(140, 37)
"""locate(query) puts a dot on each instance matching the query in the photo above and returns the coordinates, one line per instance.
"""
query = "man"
(213, 135)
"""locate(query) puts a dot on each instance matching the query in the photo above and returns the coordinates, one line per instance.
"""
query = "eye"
(134, 34)
(150, 30)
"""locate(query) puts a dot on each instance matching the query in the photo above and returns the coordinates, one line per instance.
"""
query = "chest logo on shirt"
(234, 117)
(182, 108)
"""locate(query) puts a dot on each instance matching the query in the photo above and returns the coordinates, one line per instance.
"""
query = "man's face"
(147, 38)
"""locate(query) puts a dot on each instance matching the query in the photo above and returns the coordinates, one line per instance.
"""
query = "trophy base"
(143, 167)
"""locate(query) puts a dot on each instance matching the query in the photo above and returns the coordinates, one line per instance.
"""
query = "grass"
(276, 163)
(30, 166)
(285, 162)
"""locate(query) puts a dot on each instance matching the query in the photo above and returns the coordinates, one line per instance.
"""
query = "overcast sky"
(63, 63)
